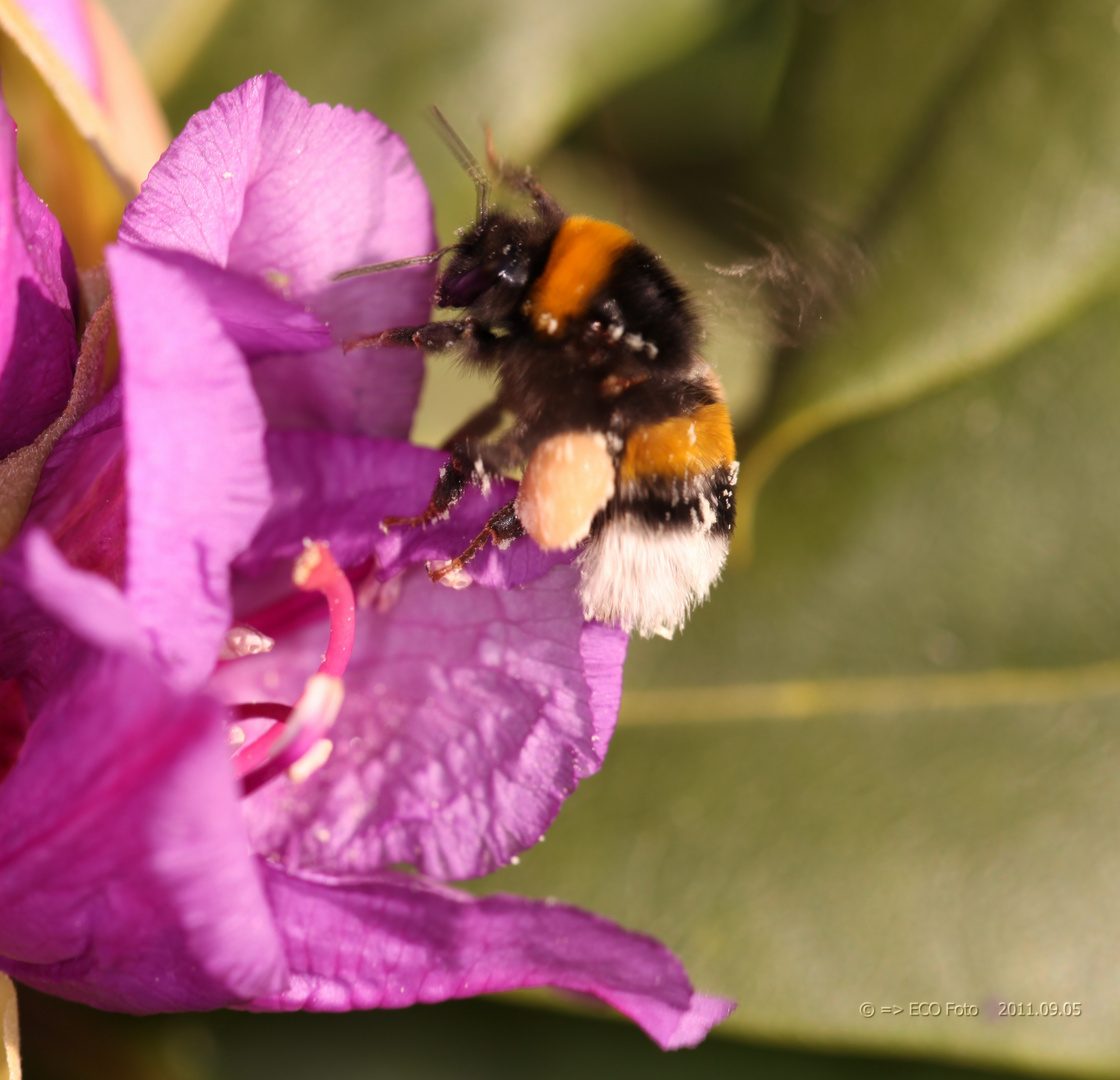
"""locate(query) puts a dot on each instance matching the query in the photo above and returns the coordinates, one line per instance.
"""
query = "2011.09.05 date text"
(1038, 1008)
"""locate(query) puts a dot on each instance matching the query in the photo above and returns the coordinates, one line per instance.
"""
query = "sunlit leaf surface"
(1003, 224)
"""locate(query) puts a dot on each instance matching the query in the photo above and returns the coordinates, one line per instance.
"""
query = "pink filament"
(262, 759)
(316, 571)
(281, 747)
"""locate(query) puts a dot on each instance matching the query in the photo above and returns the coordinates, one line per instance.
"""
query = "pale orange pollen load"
(568, 480)
(679, 447)
(582, 257)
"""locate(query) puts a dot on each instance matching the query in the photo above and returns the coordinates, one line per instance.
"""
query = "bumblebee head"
(492, 264)
(495, 260)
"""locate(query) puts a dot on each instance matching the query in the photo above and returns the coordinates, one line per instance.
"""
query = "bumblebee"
(618, 427)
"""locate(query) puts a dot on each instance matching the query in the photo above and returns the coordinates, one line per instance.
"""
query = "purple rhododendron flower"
(143, 865)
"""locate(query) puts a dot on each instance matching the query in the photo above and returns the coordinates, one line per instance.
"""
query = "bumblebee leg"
(448, 491)
(503, 526)
(469, 462)
(435, 335)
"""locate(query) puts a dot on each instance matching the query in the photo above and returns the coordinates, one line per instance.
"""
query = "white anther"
(615, 331)
(634, 341)
(311, 762)
(244, 641)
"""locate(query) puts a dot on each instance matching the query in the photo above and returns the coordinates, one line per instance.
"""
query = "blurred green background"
(883, 763)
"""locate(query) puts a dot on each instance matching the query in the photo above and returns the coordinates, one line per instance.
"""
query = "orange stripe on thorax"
(680, 447)
(582, 256)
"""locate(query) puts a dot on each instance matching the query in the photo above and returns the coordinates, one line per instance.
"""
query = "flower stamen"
(296, 743)
(316, 571)
(244, 641)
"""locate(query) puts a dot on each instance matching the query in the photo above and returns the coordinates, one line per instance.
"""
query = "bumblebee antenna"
(469, 164)
(376, 268)
(467, 161)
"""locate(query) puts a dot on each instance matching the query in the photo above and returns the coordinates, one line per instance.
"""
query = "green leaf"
(806, 869)
(883, 763)
(456, 1040)
(715, 101)
(974, 530)
(167, 35)
(865, 81)
(1003, 226)
(527, 67)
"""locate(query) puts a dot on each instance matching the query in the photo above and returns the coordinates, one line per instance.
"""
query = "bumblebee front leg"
(431, 336)
(503, 526)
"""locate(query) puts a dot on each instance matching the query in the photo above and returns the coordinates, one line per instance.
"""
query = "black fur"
(665, 507)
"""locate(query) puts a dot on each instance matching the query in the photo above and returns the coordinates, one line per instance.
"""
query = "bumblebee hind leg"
(502, 527)
(480, 463)
(452, 482)
(468, 462)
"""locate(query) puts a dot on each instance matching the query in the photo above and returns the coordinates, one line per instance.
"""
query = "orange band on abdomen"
(582, 257)
(678, 448)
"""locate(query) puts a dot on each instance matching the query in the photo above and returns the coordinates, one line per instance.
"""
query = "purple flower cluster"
(135, 871)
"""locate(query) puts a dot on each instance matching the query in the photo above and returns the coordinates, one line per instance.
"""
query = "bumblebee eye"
(515, 274)
(464, 289)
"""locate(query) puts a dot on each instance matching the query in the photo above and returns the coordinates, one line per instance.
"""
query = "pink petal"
(470, 715)
(197, 480)
(292, 193)
(393, 941)
(270, 186)
(38, 344)
(340, 488)
(86, 603)
(124, 877)
(80, 500)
